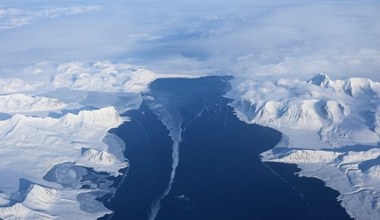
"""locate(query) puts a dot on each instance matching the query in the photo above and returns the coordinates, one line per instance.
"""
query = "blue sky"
(257, 37)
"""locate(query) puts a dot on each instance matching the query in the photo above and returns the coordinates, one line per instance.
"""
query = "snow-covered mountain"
(54, 136)
(330, 130)
(102, 76)
(20, 103)
(14, 85)
(33, 145)
(54, 133)
(330, 113)
(353, 87)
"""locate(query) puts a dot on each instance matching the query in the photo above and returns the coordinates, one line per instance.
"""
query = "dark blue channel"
(220, 175)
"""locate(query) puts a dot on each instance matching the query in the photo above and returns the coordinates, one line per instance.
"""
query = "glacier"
(330, 131)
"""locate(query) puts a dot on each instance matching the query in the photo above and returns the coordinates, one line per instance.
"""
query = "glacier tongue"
(330, 130)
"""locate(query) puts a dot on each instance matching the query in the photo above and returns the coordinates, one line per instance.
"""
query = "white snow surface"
(13, 85)
(49, 203)
(102, 76)
(331, 130)
(33, 145)
(21, 103)
(330, 113)
(65, 119)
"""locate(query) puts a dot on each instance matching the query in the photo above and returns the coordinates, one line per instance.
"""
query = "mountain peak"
(319, 79)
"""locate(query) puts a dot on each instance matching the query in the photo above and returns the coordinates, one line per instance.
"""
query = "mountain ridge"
(330, 131)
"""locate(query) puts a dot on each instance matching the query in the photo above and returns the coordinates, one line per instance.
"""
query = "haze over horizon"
(290, 38)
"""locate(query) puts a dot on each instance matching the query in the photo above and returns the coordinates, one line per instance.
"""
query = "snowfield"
(331, 130)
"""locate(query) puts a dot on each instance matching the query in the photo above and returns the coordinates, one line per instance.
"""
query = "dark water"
(220, 175)
(149, 155)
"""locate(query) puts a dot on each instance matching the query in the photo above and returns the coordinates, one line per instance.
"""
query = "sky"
(256, 38)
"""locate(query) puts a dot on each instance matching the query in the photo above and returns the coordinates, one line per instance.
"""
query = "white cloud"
(16, 17)
(290, 37)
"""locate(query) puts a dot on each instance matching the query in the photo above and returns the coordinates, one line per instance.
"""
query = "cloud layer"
(290, 37)
(16, 17)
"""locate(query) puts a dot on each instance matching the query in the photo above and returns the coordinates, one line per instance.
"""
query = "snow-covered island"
(331, 130)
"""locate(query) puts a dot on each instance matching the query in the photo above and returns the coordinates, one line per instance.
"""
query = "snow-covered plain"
(331, 130)
(54, 137)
